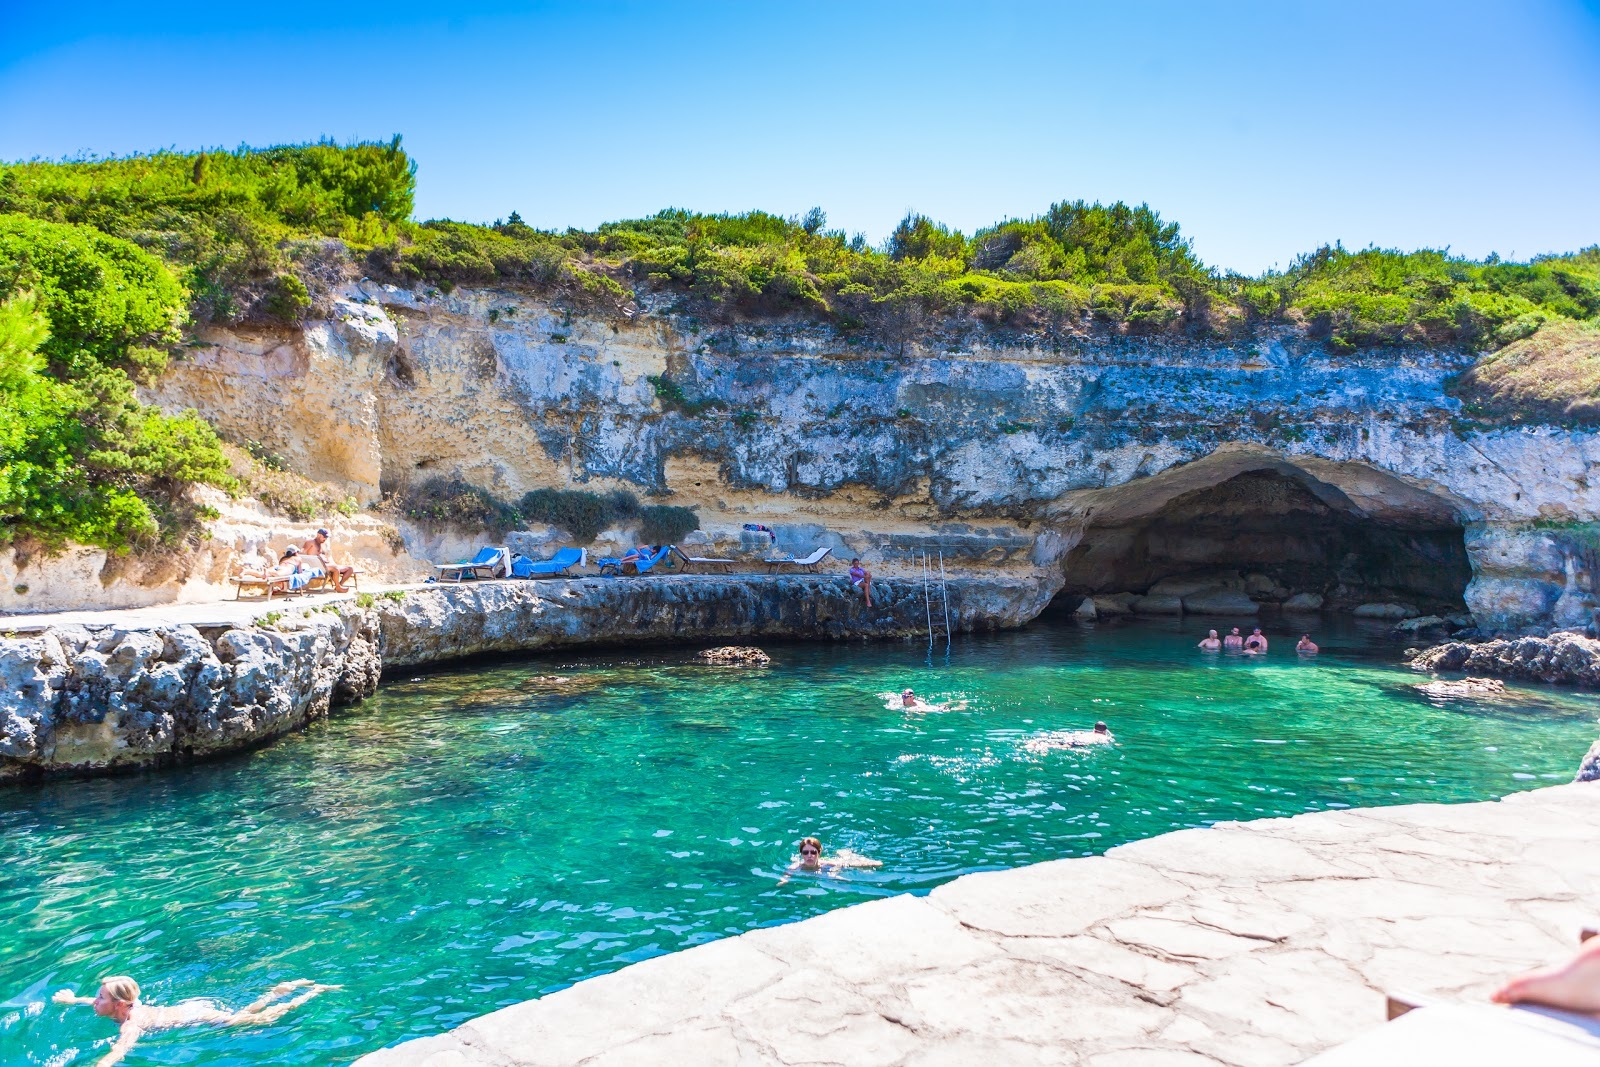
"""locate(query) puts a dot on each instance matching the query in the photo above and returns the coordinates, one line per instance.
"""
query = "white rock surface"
(1254, 944)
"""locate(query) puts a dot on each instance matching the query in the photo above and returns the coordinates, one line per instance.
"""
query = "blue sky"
(1264, 129)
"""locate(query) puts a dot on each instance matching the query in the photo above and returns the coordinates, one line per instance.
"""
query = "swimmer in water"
(908, 699)
(1256, 642)
(1306, 645)
(118, 1000)
(1100, 735)
(1211, 643)
(811, 860)
(1233, 641)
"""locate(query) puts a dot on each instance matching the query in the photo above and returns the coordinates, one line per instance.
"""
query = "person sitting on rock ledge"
(1211, 642)
(1570, 986)
(118, 1000)
(861, 578)
(1233, 642)
(1306, 646)
(1256, 643)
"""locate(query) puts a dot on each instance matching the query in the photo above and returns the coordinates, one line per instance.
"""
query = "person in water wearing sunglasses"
(812, 861)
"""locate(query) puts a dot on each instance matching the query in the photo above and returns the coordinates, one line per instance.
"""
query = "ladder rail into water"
(944, 597)
(927, 599)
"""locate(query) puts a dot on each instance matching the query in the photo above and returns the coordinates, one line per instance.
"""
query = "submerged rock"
(740, 654)
(1462, 687)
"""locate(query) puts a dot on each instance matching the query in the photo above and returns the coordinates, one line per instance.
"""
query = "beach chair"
(559, 564)
(282, 584)
(490, 562)
(690, 563)
(613, 566)
(808, 563)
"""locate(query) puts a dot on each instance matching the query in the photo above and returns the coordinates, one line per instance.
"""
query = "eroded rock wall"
(74, 700)
(778, 423)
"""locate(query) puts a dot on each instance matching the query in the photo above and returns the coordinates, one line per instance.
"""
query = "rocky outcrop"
(79, 700)
(738, 655)
(1114, 461)
(1589, 769)
(1566, 658)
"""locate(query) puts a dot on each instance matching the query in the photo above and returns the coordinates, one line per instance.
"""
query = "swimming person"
(908, 699)
(812, 861)
(1256, 642)
(1233, 640)
(1306, 645)
(118, 1000)
(1100, 735)
(1211, 643)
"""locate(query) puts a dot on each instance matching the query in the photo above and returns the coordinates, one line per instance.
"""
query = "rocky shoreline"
(80, 700)
(1561, 658)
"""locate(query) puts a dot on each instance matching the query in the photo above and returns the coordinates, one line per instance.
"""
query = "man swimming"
(1233, 640)
(1256, 642)
(1211, 642)
(118, 1000)
(812, 861)
(908, 699)
(1306, 645)
(1059, 739)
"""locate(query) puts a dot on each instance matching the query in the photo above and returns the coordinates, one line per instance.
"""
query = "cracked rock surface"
(1246, 944)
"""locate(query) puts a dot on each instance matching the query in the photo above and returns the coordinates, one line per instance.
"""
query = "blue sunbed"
(614, 566)
(560, 563)
(490, 562)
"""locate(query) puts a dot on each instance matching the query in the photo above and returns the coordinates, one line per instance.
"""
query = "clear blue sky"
(1264, 128)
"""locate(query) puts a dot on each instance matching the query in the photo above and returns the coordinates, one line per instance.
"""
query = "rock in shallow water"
(1570, 659)
(740, 654)
(1463, 687)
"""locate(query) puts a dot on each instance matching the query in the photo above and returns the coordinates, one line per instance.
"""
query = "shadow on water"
(484, 834)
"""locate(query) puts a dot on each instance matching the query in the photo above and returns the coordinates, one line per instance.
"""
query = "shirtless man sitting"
(319, 548)
(1233, 641)
(118, 1000)
(1256, 642)
(1211, 642)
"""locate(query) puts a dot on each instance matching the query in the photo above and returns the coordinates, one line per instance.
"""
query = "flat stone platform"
(1247, 944)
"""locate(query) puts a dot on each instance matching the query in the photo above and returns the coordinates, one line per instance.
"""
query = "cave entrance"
(1305, 533)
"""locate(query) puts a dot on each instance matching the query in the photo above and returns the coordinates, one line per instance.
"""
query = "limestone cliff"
(1117, 461)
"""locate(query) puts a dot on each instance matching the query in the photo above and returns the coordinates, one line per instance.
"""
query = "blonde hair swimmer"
(118, 1000)
(1100, 735)
(906, 700)
(811, 860)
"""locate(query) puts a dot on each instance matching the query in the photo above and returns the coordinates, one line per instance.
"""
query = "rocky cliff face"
(77, 701)
(1115, 460)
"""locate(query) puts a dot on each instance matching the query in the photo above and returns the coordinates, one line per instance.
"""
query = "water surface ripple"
(483, 835)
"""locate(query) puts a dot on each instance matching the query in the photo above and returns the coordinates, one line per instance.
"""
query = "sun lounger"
(690, 563)
(808, 563)
(282, 584)
(614, 566)
(490, 562)
(558, 564)
(324, 583)
(1472, 1035)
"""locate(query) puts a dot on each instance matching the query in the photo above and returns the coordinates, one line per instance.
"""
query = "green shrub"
(663, 524)
(582, 514)
(452, 502)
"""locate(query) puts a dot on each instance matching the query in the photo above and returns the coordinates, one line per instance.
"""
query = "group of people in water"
(1254, 645)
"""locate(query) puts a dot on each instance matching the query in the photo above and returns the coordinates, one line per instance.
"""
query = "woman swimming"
(118, 1000)
(812, 861)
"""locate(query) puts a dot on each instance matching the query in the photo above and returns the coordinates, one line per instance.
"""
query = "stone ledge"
(1249, 944)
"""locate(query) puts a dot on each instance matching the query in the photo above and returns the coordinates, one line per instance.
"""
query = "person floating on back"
(118, 1000)
(1306, 646)
(1233, 641)
(861, 578)
(1211, 643)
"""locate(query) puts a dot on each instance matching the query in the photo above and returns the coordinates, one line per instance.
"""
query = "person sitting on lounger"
(290, 563)
(861, 579)
(118, 1000)
(634, 555)
(318, 548)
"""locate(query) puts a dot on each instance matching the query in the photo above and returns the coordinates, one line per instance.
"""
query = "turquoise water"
(483, 835)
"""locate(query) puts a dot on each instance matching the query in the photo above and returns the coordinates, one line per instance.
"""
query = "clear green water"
(477, 837)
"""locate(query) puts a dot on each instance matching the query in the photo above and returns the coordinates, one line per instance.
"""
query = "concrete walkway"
(1248, 944)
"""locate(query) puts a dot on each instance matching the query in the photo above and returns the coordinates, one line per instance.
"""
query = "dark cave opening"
(1272, 534)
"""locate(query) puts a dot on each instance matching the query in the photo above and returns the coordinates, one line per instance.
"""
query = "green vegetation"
(452, 502)
(266, 477)
(581, 513)
(661, 524)
(105, 262)
(1552, 376)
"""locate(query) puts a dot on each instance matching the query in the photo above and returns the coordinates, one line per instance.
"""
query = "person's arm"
(67, 996)
(125, 1041)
